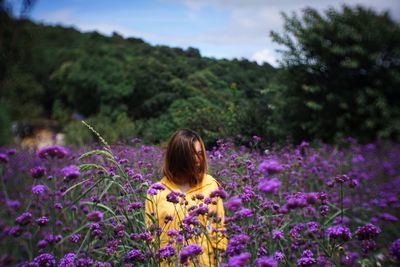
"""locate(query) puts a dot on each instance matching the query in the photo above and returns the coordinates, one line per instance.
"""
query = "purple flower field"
(304, 205)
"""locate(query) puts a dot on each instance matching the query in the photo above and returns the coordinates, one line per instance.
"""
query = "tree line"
(339, 77)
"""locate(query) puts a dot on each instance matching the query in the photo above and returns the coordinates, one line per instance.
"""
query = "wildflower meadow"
(305, 205)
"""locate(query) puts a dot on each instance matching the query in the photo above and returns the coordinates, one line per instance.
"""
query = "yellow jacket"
(159, 208)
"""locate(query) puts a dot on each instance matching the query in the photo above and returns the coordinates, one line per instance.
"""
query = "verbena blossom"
(24, 218)
(154, 188)
(270, 166)
(3, 158)
(277, 234)
(237, 243)
(388, 217)
(266, 262)
(41, 221)
(75, 238)
(342, 178)
(367, 231)
(95, 216)
(55, 151)
(67, 260)
(173, 197)
(279, 256)
(368, 245)
(234, 203)
(134, 255)
(219, 193)
(167, 251)
(394, 249)
(338, 232)
(70, 172)
(306, 259)
(135, 206)
(269, 185)
(240, 260)
(37, 172)
(39, 189)
(188, 252)
(45, 259)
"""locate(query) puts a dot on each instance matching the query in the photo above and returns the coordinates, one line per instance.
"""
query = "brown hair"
(180, 158)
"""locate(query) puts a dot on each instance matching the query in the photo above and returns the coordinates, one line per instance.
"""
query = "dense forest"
(339, 77)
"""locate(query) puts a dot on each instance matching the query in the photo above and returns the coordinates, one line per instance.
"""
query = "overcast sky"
(218, 28)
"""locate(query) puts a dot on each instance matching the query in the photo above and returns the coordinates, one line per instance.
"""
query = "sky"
(218, 28)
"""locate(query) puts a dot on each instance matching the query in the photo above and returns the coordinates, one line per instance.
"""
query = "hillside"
(125, 83)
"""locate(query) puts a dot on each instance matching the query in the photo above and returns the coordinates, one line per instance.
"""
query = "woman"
(186, 206)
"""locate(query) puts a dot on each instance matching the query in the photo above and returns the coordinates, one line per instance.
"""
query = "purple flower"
(388, 217)
(24, 218)
(307, 253)
(189, 251)
(55, 151)
(67, 260)
(42, 221)
(83, 262)
(45, 259)
(237, 243)
(167, 251)
(269, 185)
(342, 178)
(219, 193)
(11, 151)
(3, 158)
(279, 256)
(296, 201)
(234, 203)
(270, 166)
(95, 216)
(240, 260)
(173, 197)
(37, 172)
(158, 186)
(14, 204)
(14, 231)
(42, 244)
(338, 232)
(367, 231)
(134, 255)
(39, 189)
(277, 234)
(70, 172)
(350, 259)
(154, 188)
(266, 262)
(395, 249)
(75, 238)
(323, 210)
(134, 206)
(306, 261)
(367, 245)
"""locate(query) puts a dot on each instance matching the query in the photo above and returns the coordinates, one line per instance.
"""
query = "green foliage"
(5, 122)
(113, 131)
(339, 77)
(342, 70)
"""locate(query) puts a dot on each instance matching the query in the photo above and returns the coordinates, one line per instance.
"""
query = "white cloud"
(247, 29)
(265, 55)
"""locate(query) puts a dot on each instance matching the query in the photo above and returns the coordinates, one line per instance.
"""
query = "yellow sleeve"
(218, 239)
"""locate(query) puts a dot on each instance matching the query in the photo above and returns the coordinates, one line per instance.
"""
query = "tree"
(342, 74)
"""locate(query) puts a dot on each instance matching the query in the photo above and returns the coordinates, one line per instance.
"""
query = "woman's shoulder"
(211, 180)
